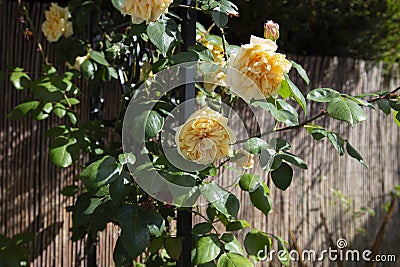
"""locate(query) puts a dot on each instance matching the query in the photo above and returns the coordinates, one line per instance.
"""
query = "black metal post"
(184, 220)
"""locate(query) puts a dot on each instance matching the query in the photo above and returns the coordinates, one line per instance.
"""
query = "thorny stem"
(186, 6)
(319, 115)
(34, 34)
(385, 96)
(224, 44)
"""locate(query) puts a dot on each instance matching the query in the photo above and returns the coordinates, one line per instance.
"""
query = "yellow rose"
(214, 79)
(244, 159)
(57, 23)
(204, 137)
(219, 77)
(145, 10)
(262, 68)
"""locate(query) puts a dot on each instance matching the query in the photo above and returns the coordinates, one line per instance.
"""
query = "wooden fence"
(30, 185)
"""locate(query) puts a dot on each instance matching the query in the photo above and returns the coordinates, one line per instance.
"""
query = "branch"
(296, 247)
(34, 33)
(379, 237)
(319, 115)
(385, 96)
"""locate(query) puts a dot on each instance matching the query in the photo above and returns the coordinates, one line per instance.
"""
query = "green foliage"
(346, 110)
(233, 260)
(282, 176)
(106, 190)
(207, 249)
(15, 251)
(358, 29)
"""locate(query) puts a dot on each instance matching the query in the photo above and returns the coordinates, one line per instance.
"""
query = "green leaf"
(323, 95)
(101, 172)
(383, 105)
(156, 244)
(163, 33)
(21, 110)
(301, 71)
(296, 93)
(202, 228)
(237, 225)
(207, 249)
(395, 104)
(120, 188)
(224, 201)
(282, 176)
(255, 145)
(232, 244)
(64, 151)
(20, 79)
(280, 115)
(154, 124)
(280, 144)
(219, 17)
(135, 233)
(354, 154)
(88, 69)
(70, 190)
(59, 110)
(317, 132)
(337, 142)
(284, 91)
(120, 255)
(360, 101)
(249, 182)
(99, 57)
(182, 57)
(396, 116)
(233, 260)
(260, 199)
(269, 160)
(173, 246)
(289, 157)
(126, 158)
(228, 7)
(346, 110)
(204, 54)
(257, 244)
(283, 253)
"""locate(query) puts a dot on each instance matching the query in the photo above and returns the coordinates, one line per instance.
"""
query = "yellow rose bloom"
(205, 137)
(57, 23)
(145, 10)
(218, 77)
(259, 62)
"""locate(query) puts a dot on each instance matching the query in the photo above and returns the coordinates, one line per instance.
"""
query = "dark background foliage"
(356, 28)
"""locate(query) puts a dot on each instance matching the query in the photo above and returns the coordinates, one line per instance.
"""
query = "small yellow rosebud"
(271, 30)
(244, 159)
